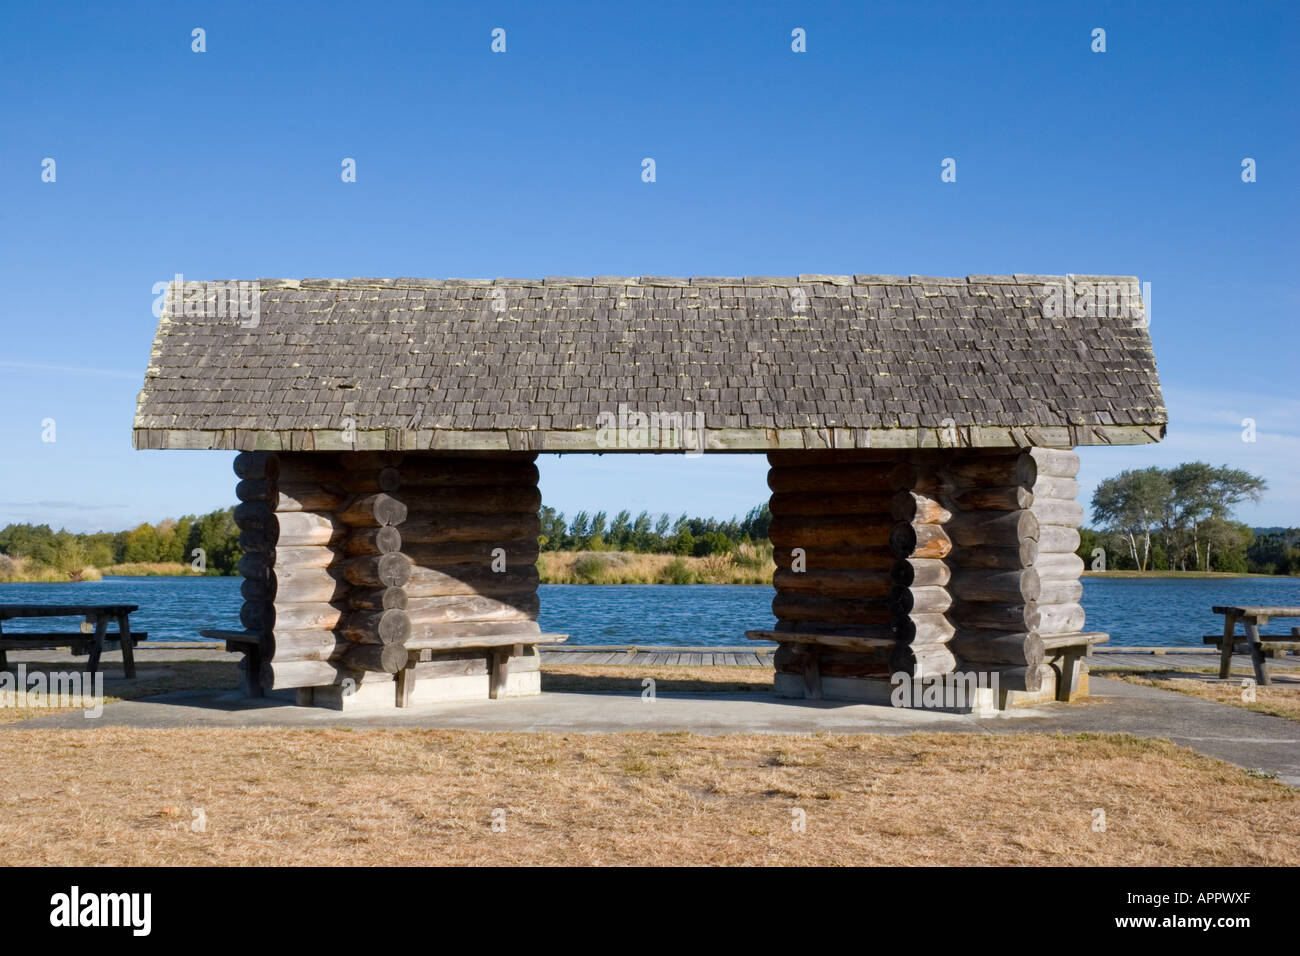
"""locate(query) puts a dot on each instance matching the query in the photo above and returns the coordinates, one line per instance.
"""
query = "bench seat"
(472, 641)
(1267, 642)
(1090, 639)
(500, 647)
(75, 641)
(45, 640)
(843, 642)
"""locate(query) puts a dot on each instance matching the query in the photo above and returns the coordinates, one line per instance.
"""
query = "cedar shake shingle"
(768, 361)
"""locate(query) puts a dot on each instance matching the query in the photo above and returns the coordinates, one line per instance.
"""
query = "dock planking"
(1125, 658)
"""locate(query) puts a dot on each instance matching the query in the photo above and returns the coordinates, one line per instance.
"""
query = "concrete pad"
(1251, 740)
(433, 690)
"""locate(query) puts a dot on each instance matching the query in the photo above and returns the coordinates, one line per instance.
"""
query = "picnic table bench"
(94, 640)
(1252, 619)
(1063, 652)
(506, 654)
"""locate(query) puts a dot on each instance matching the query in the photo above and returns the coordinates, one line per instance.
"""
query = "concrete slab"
(1250, 740)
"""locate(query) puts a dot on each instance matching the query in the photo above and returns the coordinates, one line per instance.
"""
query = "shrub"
(712, 542)
(677, 571)
(588, 568)
(755, 557)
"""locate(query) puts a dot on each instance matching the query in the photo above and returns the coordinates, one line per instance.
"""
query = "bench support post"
(500, 673)
(812, 674)
(97, 643)
(1071, 670)
(1257, 656)
(405, 685)
(1225, 646)
(128, 650)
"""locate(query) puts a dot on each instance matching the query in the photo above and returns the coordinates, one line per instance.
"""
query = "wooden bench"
(502, 648)
(1259, 645)
(812, 677)
(249, 643)
(93, 642)
(1065, 652)
(505, 650)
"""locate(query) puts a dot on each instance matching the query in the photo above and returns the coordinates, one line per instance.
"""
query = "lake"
(1161, 611)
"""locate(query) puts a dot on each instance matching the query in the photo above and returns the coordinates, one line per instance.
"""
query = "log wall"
(964, 557)
(920, 597)
(362, 565)
(830, 539)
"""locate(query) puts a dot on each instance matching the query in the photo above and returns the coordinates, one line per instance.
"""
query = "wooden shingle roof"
(803, 362)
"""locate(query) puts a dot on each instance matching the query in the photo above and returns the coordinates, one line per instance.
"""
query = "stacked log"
(374, 627)
(830, 538)
(258, 474)
(304, 586)
(470, 538)
(919, 598)
(351, 557)
(995, 585)
(1058, 564)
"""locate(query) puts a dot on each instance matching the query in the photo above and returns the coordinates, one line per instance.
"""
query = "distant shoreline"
(1184, 574)
(618, 568)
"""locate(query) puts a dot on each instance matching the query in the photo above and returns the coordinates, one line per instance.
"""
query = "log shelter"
(919, 431)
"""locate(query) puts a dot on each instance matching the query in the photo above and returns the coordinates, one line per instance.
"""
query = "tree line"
(1150, 519)
(660, 534)
(1180, 519)
(173, 540)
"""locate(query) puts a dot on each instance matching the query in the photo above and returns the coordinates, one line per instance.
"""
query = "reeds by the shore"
(749, 564)
(19, 570)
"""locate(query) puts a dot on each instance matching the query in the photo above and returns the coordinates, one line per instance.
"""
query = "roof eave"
(592, 441)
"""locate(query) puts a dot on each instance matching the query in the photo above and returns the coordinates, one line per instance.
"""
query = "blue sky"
(226, 164)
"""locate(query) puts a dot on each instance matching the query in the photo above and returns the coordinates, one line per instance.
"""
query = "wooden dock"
(1127, 658)
(656, 656)
(1105, 658)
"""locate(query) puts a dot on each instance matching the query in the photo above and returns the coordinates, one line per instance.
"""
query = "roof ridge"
(407, 282)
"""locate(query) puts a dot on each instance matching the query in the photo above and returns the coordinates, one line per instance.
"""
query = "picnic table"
(96, 616)
(1253, 618)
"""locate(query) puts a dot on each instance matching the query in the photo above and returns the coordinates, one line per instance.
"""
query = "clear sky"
(227, 164)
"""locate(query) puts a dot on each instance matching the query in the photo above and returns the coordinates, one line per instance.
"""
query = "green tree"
(553, 532)
(712, 542)
(1202, 493)
(682, 542)
(1130, 505)
(218, 535)
(620, 530)
(143, 544)
(641, 534)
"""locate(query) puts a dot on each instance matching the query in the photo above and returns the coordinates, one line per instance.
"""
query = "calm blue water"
(1158, 611)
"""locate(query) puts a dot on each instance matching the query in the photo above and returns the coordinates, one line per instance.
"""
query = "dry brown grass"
(416, 797)
(17, 568)
(148, 569)
(1281, 698)
(747, 566)
(579, 678)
